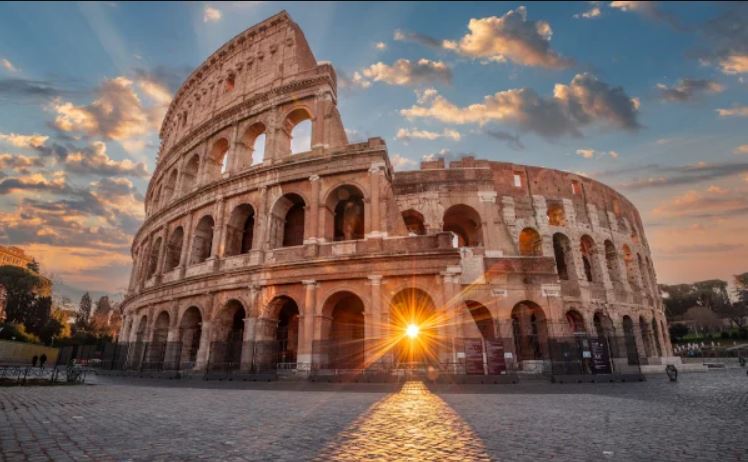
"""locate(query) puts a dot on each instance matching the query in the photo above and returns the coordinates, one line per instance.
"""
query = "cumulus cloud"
(705, 204)
(211, 14)
(402, 36)
(380, 46)
(736, 111)
(658, 176)
(400, 162)
(18, 89)
(584, 101)
(95, 160)
(509, 38)
(592, 13)
(19, 163)
(24, 141)
(688, 89)
(407, 134)
(742, 149)
(118, 113)
(726, 40)
(404, 72)
(34, 182)
(7, 65)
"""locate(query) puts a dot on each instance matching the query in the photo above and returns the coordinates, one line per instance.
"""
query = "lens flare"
(412, 331)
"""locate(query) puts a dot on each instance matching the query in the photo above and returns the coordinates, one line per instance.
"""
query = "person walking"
(42, 360)
(34, 360)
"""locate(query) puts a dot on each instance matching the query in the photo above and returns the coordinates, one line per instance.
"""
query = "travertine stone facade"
(244, 244)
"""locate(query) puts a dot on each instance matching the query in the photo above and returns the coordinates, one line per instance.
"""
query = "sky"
(649, 98)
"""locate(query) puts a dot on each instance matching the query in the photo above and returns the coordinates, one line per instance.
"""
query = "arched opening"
(190, 333)
(253, 145)
(298, 126)
(287, 333)
(656, 334)
(646, 336)
(414, 307)
(157, 348)
(346, 346)
(465, 222)
(346, 203)
(157, 197)
(643, 272)
(240, 230)
(589, 259)
(628, 333)
(611, 261)
(229, 83)
(564, 257)
(170, 186)
(414, 222)
(226, 348)
(483, 319)
(153, 257)
(189, 174)
(142, 325)
(575, 321)
(605, 330)
(287, 221)
(218, 159)
(174, 249)
(530, 243)
(628, 259)
(556, 214)
(530, 331)
(202, 243)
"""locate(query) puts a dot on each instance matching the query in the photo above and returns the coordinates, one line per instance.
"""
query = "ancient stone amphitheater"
(255, 257)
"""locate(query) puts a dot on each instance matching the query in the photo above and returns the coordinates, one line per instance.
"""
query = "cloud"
(34, 182)
(726, 40)
(17, 89)
(443, 153)
(705, 204)
(509, 38)
(736, 111)
(8, 66)
(666, 176)
(400, 162)
(24, 141)
(421, 39)
(718, 247)
(95, 160)
(19, 163)
(647, 9)
(589, 153)
(380, 46)
(408, 134)
(404, 72)
(592, 13)
(734, 64)
(211, 14)
(688, 89)
(118, 113)
(742, 149)
(512, 141)
(584, 101)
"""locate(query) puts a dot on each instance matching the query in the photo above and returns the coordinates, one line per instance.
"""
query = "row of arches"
(286, 226)
(531, 244)
(253, 147)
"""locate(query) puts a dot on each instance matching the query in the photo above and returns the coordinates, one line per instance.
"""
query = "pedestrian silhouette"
(34, 360)
(42, 360)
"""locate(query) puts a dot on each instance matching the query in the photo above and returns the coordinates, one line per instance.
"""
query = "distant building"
(14, 256)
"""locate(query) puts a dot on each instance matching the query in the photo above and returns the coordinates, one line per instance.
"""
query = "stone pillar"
(234, 151)
(162, 252)
(318, 121)
(313, 229)
(373, 322)
(455, 316)
(218, 227)
(145, 261)
(260, 237)
(487, 200)
(248, 343)
(375, 173)
(203, 351)
(186, 247)
(307, 334)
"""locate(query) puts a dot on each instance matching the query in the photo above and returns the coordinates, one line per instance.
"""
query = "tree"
(27, 298)
(741, 287)
(678, 331)
(85, 309)
(103, 307)
(33, 266)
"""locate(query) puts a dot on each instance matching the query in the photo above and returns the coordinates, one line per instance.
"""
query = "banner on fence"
(495, 357)
(474, 356)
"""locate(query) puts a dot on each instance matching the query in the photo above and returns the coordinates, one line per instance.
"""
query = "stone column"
(186, 247)
(375, 173)
(203, 351)
(234, 150)
(248, 343)
(145, 261)
(307, 334)
(373, 322)
(260, 237)
(218, 227)
(315, 233)
(487, 200)
(321, 103)
(455, 316)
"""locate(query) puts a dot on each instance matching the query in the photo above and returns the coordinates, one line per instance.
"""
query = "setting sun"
(412, 331)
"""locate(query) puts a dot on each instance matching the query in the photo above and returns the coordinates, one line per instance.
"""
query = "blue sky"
(658, 108)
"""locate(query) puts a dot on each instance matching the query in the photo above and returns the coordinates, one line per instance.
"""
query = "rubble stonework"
(300, 249)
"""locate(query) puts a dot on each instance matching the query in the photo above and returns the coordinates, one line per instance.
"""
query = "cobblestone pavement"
(701, 417)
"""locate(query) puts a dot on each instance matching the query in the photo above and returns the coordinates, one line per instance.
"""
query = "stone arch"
(556, 214)
(530, 243)
(202, 242)
(588, 250)
(190, 336)
(605, 330)
(140, 334)
(217, 162)
(628, 259)
(530, 331)
(564, 258)
(174, 249)
(285, 311)
(414, 222)
(465, 222)
(345, 213)
(482, 318)
(153, 258)
(287, 221)
(611, 261)
(159, 337)
(630, 340)
(240, 230)
(643, 272)
(228, 336)
(297, 126)
(170, 186)
(414, 306)
(575, 322)
(190, 174)
(343, 326)
(253, 145)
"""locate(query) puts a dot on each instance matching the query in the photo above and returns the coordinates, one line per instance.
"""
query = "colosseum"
(254, 256)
